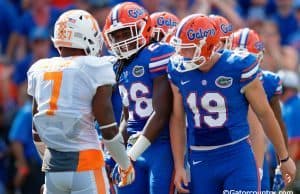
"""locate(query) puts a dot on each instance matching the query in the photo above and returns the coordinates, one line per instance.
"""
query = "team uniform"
(220, 156)
(273, 87)
(154, 167)
(63, 89)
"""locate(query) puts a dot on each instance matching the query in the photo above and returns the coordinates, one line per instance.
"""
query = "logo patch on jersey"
(224, 82)
(138, 71)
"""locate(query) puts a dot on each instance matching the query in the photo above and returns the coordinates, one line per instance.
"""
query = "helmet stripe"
(115, 13)
(183, 22)
(244, 38)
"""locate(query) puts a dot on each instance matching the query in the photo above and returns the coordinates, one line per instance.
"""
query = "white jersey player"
(69, 93)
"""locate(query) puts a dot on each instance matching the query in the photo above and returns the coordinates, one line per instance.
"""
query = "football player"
(164, 23)
(248, 40)
(224, 29)
(214, 90)
(146, 96)
(69, 92)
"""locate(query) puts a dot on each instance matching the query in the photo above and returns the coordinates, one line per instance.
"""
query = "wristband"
(285, 159)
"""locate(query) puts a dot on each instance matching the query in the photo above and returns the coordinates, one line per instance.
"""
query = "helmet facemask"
(189, 64)
(131, 42)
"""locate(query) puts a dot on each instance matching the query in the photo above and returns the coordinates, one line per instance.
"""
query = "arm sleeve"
(249, 68)
(160, 55)
(172, 74)
(31, 81)
(100, 72)
(278, 86)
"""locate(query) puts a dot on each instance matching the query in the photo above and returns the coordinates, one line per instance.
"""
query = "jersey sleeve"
(160, 55)
(173, 73)
(100, 71)
(31, 81)
(249, 68)
(278, 85)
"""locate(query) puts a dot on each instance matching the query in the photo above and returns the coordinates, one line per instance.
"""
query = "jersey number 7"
(56, 77)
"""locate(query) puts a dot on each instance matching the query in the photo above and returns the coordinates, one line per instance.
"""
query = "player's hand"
(123, 177)
(288, 170)
(278, 183)
(181, 180)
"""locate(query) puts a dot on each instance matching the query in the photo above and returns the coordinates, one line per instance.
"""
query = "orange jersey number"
(56, 77)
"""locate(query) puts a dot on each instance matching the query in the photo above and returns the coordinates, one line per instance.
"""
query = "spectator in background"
(8, 97)
(40, 48)
(41, 14)
(276, 56)
(62, 4)
(294, 39)
(100, 9)
(3, 165)
(291, 116)
(79, 4)
(226, 8)
(285, 18)
(28, 178)
(8, 20)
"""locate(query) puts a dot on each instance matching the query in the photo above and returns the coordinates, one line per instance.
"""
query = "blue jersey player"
(214, 90)
(146, 94)
(248, 40)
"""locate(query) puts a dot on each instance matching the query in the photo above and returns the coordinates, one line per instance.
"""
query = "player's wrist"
(139, 147)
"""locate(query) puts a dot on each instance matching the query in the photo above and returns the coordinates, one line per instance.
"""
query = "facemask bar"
(122, 48)
(189, 64)
(158, 34)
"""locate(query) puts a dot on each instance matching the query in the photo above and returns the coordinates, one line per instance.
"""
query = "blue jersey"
(271, 83)
(136, 84)
(213, 101)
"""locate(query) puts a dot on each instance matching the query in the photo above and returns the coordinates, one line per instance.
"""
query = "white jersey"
(63, 89)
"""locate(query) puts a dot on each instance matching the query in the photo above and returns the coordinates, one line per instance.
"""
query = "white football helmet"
(78, 29)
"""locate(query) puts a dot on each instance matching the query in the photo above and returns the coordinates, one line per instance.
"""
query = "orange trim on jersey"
(90, 160)
(161, 57)
(100, 183)
(63, 43)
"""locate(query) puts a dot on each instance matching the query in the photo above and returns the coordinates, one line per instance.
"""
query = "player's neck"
(208, 65)
(70, 52)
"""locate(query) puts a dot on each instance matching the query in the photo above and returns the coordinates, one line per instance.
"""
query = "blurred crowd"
(25, 37)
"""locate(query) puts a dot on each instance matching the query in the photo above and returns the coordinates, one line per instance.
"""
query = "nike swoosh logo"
(196, 162)
(184, 82)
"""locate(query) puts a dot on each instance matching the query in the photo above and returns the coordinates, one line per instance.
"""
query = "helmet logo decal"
(200, 34)
(135, 13)
(161, 21)
(226, 28)
(259, 46)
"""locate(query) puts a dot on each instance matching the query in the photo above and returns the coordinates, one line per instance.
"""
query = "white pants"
(86, 182)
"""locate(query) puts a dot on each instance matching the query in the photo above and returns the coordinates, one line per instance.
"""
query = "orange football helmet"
(164, 23)
(247, 39)
(127, 29)
(196, 33)
(224, 28)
